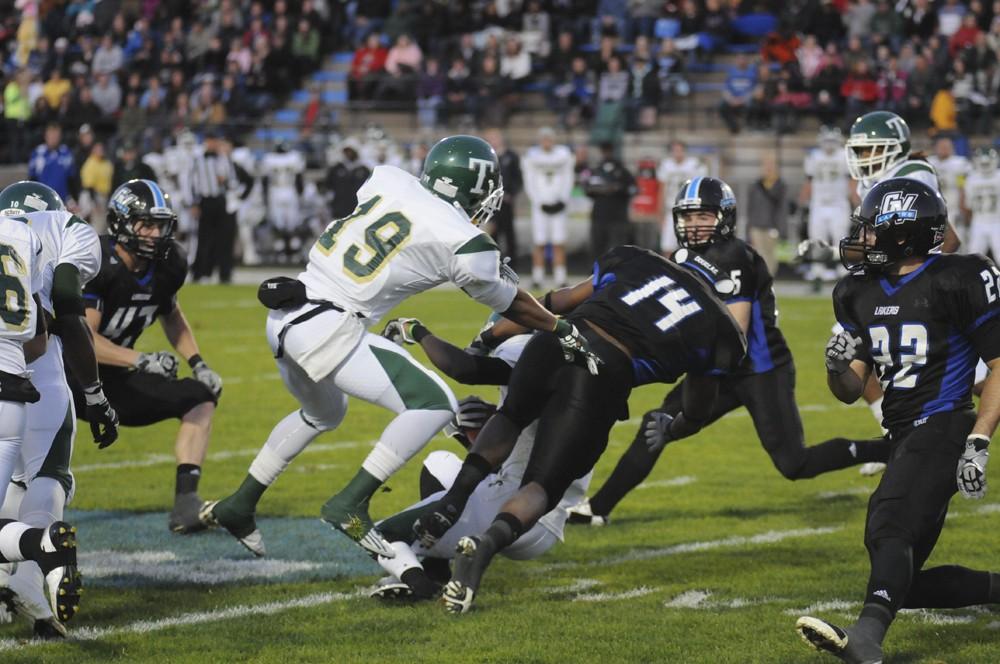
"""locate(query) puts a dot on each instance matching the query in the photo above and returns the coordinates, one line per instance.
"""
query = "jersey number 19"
(384, 236)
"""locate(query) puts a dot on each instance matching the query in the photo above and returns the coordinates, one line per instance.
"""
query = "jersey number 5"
(912, 353)
(383, 237)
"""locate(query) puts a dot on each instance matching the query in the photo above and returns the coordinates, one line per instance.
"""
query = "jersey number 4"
(383, 237)
(677, 301)
(912, 353)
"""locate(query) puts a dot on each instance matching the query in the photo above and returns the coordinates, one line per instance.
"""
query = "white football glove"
(208, 377)
(841, 350)
(400, 331)
(815, 251)
(972, 467)
(657, 430)
(161, 363)
(574, 344)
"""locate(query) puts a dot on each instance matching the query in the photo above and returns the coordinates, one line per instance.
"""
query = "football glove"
(507, 273)
(815, 251)
(161, 363)
(972, 467)
(473, 413)
(841, 350)
(400, 330)
(656, 429)
(574, 344)
(102, 417)
(553, 208)
(206, 376)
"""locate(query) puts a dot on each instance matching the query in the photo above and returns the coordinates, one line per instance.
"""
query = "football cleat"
(460, 592)
(64, 582)
(431, 527)
(241, 526)
(48, 629)
(581, 514)
(7, 608)
(353, 521)
(391, 589)
(827, 637)
(185, 518)
(872, 468)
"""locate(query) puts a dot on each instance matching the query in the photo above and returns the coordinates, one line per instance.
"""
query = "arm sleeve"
(475, 268)
(81, 248)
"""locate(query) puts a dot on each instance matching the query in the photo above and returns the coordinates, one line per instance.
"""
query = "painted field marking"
(683, 480)
(195, 618)
(614, 597)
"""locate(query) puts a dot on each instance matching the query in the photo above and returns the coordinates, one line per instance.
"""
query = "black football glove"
(102, 417)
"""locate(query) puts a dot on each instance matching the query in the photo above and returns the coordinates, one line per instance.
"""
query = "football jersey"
(917, 169)
(20, 272)
(548, 175)
(65, 238)
(923, 333)
(951, 174)
(129, 301)
(829, 176)
(982, 196)
(766, 346)
(281, 168)
(673, 174)
(669, 319)
(399, 241)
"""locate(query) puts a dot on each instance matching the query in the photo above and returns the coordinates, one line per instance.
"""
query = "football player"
(411, 579)
(141, 270)
(648, 320)
(918, 321)
(672, 172)
(406, 236)
(43, 482)
(705, 220)
(951, 169)
(981, 200)
(825, 191)
(53, 549)
(283, 183)
(548, 182)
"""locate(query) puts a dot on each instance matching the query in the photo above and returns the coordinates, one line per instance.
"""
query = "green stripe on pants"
(417, 390)
(56, 464)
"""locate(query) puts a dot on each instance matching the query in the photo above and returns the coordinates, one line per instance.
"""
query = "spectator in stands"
(920, 88)
(16, 113)
(780, 45)
(919, 20)
(107, 95)
(460, 94)
(501, 226)
(154, 89)
(766, 208)
(402, 65)
(535, 30)
(466, 50)
(950, 17)
(827, 23)
(965, 36)
(180, 114)
(613, 84)
(858, 19)
(492, 94)
(887, 25)
(611, 18)
(765, 90)
(943, 112)
(109, 57)
(860, 90)
(85, 140)
(197, 43)
(132, 121)
(574, 94)
(715, 25)
(344, 178)
(369, 17)
(892, 87)
(644, 92)
(431, 89)
(644, 14)
(55, 88)
(670, 69)
(810, 57)
(52, 163)
(611, 187)
(366, 67)
(129, 166)
(305, 45)
(95, 183)
(972, 105)
(515, 63)
(560, 59)
(740, 82)
(206, 108)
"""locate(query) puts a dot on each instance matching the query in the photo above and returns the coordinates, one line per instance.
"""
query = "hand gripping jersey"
(982, 196)
(924, 332)
(951, 174)
(766, 347)
(129, 301)
(829, 176)
(918, 169)
(548, 175)
(668, 318)
(400, 240)
(21, 275)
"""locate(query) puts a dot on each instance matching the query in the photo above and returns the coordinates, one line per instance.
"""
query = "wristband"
(979, 441)
(194, 360)
(93, 394)
(547, 301)
(419, 332)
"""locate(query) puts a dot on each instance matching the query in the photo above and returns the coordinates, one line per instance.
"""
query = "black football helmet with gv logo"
(899, 218)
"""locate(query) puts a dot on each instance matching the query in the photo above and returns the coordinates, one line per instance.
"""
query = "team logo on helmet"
(898, 206)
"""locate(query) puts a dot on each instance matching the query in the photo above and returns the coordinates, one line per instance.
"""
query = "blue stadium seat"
(288, 116)
(755, 26)
(344, 57)
(290, 135)
(263, 134)
(334, 97)
(742, 48)
(328, 76)
(300, 97)
(667, 28)
(708, 86)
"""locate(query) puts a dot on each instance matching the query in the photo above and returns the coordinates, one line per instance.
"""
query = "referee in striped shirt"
(212, 175)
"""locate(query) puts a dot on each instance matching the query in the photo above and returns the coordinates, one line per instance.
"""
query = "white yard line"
(196, 618)
(614, 597)
(157, 459)
(683, 480)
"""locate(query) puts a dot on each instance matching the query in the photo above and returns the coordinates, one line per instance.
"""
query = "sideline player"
(548, 182)
(649, 320)
(825, 191)
(672, 172)
(43, 482)
(705, 218)
(282, 184)
(141, 270)
(981, 199)
(918, 321)
(406, 236)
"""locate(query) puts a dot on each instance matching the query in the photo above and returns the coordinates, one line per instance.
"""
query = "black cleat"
(186, 518)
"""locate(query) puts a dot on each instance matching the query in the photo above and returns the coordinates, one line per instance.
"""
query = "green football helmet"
(986, 160)
(878, 141)
(27, 196)
(465, 171)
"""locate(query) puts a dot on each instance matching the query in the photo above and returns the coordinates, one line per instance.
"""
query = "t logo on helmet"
(896, 206)
(484, 166)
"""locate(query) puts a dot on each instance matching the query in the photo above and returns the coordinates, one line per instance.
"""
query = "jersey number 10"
(383, 237)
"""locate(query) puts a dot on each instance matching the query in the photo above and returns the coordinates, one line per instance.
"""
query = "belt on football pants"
(321, 306)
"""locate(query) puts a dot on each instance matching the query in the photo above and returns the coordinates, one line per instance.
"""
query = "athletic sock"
(504, 530)
(19, 542)
(951, 587)
(537, 275)
(437, 569)
(634, 466)
(994, 588)
(361, 487)
(888, 585)
(248, 495)
(874, 622)
(416, 578)
(838, 453)
(474, 470)
(188, 475)
(559, 275)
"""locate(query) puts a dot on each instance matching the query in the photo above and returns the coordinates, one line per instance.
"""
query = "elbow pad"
(67, 295)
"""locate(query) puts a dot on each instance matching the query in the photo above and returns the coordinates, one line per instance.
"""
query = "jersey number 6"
(14, 308)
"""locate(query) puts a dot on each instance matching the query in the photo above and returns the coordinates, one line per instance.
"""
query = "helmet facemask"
(868, 157)
(488, 207)
(876, 246)
(130, 232)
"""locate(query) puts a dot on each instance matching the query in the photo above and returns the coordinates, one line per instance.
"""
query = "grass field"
(710, 561)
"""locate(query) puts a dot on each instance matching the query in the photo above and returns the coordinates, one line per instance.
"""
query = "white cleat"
(872, 468)
(821, 635)
(581, 514)
(64, 583)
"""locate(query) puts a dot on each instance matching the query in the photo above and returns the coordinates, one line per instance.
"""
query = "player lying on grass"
(704, 223)
(919, 321)
(411, 579)
(69, 254)
(406, 236)
(648, 320)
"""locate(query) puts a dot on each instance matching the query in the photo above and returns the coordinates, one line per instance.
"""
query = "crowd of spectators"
(626, 61)
(141, 71)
